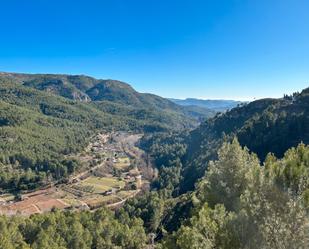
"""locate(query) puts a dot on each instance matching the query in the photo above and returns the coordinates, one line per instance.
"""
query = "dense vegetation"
(86, 89)
(61, 230)
(239, 204)
(239, 180)
(267, 125)
(264, 126)
(38, 128)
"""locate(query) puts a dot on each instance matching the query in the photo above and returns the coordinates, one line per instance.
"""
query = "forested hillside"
(241, 204)
(61, 230)
(269, 128)
(267, 125)
(239, 180)
(38, 128)
(85, 89)
(238, 204)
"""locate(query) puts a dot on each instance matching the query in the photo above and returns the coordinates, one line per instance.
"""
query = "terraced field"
(99, 185)
(108, 177)
(122, 163)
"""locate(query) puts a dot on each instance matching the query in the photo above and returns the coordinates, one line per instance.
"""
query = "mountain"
(210, 190)
(87, 89)
(38, 129)
(269, 128)
(43, 118)
(264, 126)
(211, 104)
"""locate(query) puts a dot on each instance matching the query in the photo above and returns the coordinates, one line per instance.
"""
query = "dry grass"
(35, 204)
(99, 185)
(122, 163)
(125, 194)
(72, 201)
(98, 201)
(7, 197)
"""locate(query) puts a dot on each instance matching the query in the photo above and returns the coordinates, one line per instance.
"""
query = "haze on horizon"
(241, 50)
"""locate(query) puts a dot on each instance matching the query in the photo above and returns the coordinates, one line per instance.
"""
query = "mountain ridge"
(218, 105)
(259, 125)
(44, 117)
(87, 89)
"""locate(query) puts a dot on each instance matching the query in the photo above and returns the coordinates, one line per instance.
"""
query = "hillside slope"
(38, 128)
(263, 126)
(86, 89)
(266, 125)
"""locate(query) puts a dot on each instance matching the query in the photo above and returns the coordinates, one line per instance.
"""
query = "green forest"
(38, 128)
(239, 203)
(235, 179)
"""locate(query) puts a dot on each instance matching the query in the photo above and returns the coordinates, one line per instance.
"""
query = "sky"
(211, 49)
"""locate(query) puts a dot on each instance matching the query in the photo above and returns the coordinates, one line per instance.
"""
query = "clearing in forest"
(111, 172)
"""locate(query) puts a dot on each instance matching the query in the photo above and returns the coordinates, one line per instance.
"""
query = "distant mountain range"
(87, 89)
(214, 105)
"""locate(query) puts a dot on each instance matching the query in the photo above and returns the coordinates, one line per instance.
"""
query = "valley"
(93, 160)
(154, 125)
(113, 170)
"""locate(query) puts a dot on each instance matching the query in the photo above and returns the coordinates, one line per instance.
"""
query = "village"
(113, 170)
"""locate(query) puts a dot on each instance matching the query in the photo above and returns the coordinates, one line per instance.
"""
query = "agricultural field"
(99, 185)
(36, 202)
(122, 163)
(106, 178)
(99, 201)
(126, 194)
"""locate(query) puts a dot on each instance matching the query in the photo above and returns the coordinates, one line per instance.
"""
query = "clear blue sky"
(208, 49)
